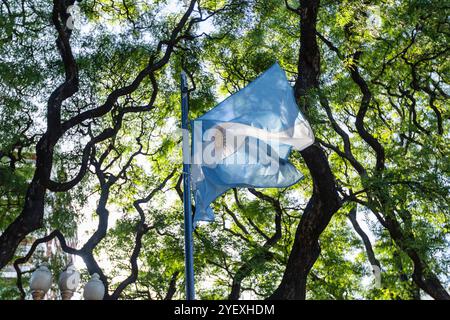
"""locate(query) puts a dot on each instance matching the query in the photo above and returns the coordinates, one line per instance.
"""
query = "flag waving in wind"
(245, 141)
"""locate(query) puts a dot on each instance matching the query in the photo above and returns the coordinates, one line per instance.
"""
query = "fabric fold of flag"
(245, 141)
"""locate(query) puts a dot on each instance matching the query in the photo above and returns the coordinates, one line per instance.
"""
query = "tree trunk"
(31, 217)
(325, 200)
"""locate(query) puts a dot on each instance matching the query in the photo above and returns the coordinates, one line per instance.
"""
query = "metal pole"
(188, 241)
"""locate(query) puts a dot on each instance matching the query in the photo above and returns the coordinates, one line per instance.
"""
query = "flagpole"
(188, 240)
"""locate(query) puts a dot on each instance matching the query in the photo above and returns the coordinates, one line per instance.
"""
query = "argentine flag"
(245, 141)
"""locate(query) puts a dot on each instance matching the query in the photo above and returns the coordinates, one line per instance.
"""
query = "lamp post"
(40, 282)
(94, 289)
(68, 282)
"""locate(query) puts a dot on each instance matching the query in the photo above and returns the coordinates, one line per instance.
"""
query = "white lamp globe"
(94, 289)
(41, 281)
(68, 282)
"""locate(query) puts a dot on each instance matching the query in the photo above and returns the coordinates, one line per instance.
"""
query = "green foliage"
(404, 61)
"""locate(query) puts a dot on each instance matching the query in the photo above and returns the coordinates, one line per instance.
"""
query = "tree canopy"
(89, 118)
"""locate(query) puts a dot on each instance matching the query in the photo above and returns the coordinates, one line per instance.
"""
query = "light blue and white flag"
(245, 141)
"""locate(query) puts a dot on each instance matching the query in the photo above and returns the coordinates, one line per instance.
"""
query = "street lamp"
(40, 282)
(68, 282)
(94, 289)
